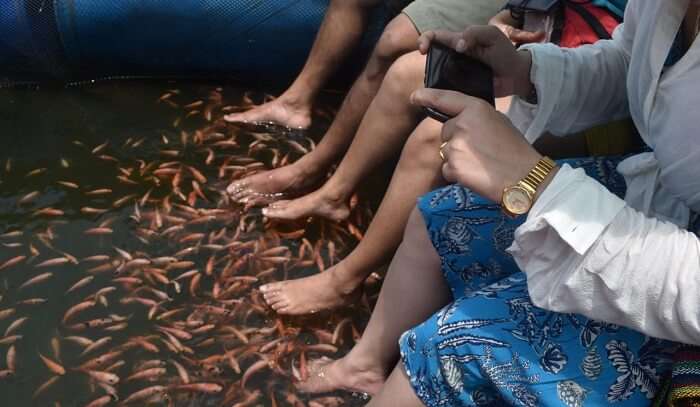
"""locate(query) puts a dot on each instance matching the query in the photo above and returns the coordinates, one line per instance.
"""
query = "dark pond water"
(111, 198)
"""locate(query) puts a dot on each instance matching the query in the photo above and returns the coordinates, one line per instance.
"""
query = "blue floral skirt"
(493, 347)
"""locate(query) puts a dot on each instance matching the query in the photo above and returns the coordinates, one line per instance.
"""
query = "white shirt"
(583, 249)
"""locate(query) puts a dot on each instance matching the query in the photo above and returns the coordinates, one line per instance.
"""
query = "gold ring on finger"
(442, 154)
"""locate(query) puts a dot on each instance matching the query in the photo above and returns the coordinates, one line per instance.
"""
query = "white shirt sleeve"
(585, 251)
(577, 88)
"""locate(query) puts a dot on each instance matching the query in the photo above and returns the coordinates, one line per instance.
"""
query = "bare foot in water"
(318, 203)
(326, 375)
(311, 294)
(270, 186)
(280, 111)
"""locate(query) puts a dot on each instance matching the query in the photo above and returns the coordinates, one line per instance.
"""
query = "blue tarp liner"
(68, 39)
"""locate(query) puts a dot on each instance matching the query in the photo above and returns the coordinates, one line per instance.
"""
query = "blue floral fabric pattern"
(492, 347)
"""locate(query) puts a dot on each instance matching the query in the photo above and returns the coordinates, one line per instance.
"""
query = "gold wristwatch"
(518, 199)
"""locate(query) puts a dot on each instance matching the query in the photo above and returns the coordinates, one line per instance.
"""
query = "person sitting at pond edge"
(552, 308)
(417, 172)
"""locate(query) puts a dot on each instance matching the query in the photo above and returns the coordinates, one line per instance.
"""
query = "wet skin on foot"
(270, 186)
(311, 294)
(326, 375)
(278, 112)
(317, 203)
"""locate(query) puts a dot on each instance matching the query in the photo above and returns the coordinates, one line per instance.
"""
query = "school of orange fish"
(163, 307)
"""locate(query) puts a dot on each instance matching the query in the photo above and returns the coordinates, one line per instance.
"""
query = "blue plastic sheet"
(210, 38)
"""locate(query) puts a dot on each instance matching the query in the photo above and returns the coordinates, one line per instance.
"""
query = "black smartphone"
(542, 6)
(448, 69)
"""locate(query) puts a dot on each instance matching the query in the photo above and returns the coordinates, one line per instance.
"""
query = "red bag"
(573, 23)
(584, 23)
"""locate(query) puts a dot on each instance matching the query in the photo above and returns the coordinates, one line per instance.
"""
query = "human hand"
(511, 68)
(505, 22)
(484, 151)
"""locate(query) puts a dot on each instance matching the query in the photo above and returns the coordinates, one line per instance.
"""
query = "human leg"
(492, 346)
(412, 290)
(381, 135)
(341, 30)
(418, 171)
(399, 37)
(397, 391)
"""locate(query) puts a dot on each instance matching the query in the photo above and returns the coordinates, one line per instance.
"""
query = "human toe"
(235, 117)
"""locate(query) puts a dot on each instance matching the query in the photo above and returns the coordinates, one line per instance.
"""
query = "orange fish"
(105, 377)
(101, 147)
(101, 191)
(36, 172)
(53, 262)
(101, 360)
(181, 371)
(8, 235)
(11, 358)
(53, 366)
(96, 345)
(36, 280)
(101, 402)
(209, 388)
(12, 262)
(45, 386)
(79, 340)
(9, 340)
(147, 374)
(121, 201)
(145, 394)
(48, 212)
(99, 257)
(29, 197)
(32, 301)
(99, 231)
(15, 325)
(68, 184)
(93, 211)
(80, 284)
(253, 369)
(72, 311)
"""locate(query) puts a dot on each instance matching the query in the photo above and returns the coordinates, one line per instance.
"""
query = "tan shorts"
(452, 15)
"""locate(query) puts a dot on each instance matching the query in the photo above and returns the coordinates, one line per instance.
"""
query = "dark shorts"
(394, 7)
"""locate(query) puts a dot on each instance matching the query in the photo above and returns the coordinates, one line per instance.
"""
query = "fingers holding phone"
(447, 69)
(511, 68)
(505, 22)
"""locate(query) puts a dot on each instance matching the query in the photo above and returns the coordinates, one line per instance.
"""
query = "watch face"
(517, 200)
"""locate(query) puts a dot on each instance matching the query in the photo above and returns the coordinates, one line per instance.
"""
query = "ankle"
(347, 279)
(357, 363)
(311, 165)
(296, 101)
(338, 194)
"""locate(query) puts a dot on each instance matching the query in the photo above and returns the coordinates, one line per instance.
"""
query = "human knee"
(398, 38)
(423, 144)
(415, 225)
(407, 73)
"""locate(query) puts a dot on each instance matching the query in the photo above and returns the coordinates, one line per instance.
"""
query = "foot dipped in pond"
(326, 375)
(280, 111)
(269, 186)
(318, 203)
(319, 292)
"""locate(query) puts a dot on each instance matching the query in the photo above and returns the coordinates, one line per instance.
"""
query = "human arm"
(576, 88)
(585, 251)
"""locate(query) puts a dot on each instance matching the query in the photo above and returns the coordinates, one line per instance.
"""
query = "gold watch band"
(537, 175)
(518, 199)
